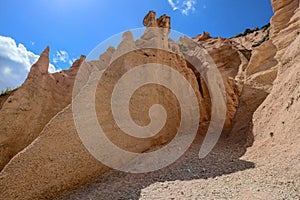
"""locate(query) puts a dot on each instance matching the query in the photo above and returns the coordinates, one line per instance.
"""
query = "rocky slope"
(27, 110)
(246, 63)
(58, 145)
(260, 71)
(275, 150)
(276, 122)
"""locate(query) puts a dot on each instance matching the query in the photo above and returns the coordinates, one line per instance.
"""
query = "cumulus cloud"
(183, 6)
(172, 4)
(15, 63)
(63, 56)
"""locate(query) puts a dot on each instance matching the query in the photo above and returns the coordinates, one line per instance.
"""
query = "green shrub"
(249, 31)
(6, 91)
(265, 38)
(265, 27)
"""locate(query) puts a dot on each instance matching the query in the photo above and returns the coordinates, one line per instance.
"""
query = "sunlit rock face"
(39, 145)
(279, 114)
(27, 110)
(58, 145)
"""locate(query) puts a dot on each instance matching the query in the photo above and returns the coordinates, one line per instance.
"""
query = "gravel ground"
(223, 174)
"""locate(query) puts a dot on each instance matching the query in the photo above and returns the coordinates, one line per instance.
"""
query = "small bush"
(265, 27)
(6, 91)
(249, 31)
(265, 38)
(271, 134)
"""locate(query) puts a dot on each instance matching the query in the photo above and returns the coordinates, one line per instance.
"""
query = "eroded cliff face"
(58, 145)
(285, 24)
(163, 21)
(43, 95)
(276, 122)
(27, 110)
(247, 64)
(38, 121)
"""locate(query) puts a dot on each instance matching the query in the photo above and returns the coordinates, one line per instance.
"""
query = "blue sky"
(75, 27)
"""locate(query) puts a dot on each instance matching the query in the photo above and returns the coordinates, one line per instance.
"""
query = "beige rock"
(276, 121)
(228, 60)
(262, 58)
(251, 40)
(4, 97)
(163, 21)
(259, 74)
(202, 37)
(57, 161)
(285, 24)
(150, 19)
(30, 107)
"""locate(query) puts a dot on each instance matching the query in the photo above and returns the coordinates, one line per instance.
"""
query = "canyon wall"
(41, 153)
(276, 122)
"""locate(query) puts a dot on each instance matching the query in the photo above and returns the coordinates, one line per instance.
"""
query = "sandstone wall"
(26, 111)
(39, 141)
(56, 161)
(276, 122)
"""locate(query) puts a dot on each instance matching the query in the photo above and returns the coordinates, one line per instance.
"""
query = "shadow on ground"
(224, 159)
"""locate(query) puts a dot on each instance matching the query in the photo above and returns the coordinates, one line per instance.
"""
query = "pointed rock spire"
(150, 19)
(202, 37)
(126, 45)
(163, 21)
(42, 64)
(79, 61)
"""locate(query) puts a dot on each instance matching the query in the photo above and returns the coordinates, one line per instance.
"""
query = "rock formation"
(276, 122)
(163, 21)
(58, 144)
(41, 151)
(247, 75)
(202, 37)
(28, 109)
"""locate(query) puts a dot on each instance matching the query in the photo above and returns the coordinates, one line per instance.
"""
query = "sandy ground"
(223, 174)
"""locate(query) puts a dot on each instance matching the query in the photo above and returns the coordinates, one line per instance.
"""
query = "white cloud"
(183, 6)
(15, 63)
(172, 4)
(63, 56)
